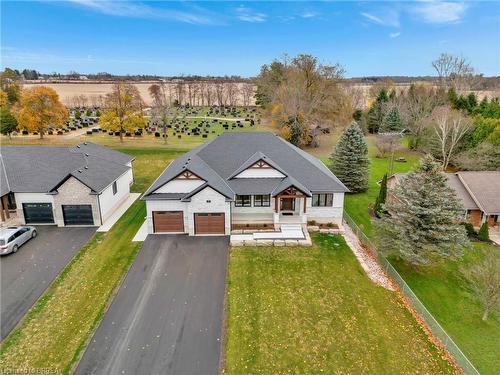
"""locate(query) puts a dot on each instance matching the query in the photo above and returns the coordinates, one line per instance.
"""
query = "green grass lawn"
(313, 310)
(56, 329)
(444, 292)
(442, 289)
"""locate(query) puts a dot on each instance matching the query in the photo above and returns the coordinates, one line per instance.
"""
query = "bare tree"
(484, 281)
(232, 92)
(162, 107)
(417, 104)
(220, 92)
(386, 144)
(357, 95)
(449, 127)
(455, 72)
(247, 93)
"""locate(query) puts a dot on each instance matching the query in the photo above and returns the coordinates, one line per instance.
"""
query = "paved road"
(167, 315)
(26, 274)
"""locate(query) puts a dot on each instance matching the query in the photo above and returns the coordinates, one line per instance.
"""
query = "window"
(261, 200)
(322, 200)
(243, 201)
(115, 188)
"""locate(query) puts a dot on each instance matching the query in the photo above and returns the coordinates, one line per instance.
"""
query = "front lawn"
(444, 292)
(56, 329)
(313, 310)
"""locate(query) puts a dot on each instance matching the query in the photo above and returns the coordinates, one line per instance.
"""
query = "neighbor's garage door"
(78, 214)
(168, 221)
(209, 223)
(38, 213)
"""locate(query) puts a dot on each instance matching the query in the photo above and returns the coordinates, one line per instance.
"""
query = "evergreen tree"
(382, 195)
(424, 214)
(392, 121)
(349, 160)
(483, 234)
(8, 122)
(377, 111)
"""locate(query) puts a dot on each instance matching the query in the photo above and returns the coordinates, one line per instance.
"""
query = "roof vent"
(86, 167)
(85, 143)
(79, 171)
(78, 146)
(86, 154)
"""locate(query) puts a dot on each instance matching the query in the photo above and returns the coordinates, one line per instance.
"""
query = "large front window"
(243, 201)
(262, 200)
(322, 200)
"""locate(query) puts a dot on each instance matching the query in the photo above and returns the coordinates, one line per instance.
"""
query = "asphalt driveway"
(167, 315)
(26, 274)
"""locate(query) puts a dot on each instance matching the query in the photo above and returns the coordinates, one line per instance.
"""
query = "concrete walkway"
(142, 233)
(118, 212)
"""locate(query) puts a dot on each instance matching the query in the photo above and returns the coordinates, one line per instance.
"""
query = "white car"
(12, 238)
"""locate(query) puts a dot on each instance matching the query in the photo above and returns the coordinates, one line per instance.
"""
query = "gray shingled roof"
(484, 188)
(39, 169)
(461, 192)
(219, 160)
(477, 190)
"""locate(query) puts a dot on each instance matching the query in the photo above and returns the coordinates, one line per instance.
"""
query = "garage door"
(209, 223)
(168, 221)
(38, 213)
(78, 214)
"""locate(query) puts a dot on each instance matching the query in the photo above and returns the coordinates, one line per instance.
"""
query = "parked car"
(12, 238)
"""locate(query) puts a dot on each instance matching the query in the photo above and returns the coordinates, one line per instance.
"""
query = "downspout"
(99, 205)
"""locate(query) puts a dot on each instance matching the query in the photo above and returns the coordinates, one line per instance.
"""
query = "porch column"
(305, 203)
(276, 203)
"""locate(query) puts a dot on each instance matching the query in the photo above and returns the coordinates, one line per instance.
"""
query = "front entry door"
(287, 204)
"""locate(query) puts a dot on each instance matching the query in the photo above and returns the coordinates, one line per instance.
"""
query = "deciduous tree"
(123, 109)
(484, 281)
(8, 122)
(349, 160)
(40, 108)
(162, 110)
(449, 127)
(422, 225)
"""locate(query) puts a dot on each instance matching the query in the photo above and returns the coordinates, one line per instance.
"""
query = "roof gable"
(39, 169)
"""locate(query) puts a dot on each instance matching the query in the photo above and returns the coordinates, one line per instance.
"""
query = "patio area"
(288, 235)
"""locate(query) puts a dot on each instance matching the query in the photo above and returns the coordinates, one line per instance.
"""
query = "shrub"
(329, 225)
(312, 222)
(483, 234)
(469, 228)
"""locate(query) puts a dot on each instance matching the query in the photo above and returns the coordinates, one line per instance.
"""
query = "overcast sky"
(218, 38)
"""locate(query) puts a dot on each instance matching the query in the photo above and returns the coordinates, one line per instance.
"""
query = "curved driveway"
(167, 315)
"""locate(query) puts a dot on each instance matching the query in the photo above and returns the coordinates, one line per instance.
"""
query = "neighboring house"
(479, 193)
(80, 185)
(240, 179)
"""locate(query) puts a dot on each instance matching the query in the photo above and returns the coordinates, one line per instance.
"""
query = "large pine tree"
(349, 160)
(423, 218)
(392, 121)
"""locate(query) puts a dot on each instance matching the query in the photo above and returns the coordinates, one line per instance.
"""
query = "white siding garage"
(206, 201)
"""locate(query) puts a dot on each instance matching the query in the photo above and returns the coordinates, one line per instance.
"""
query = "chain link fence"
(438, 331)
